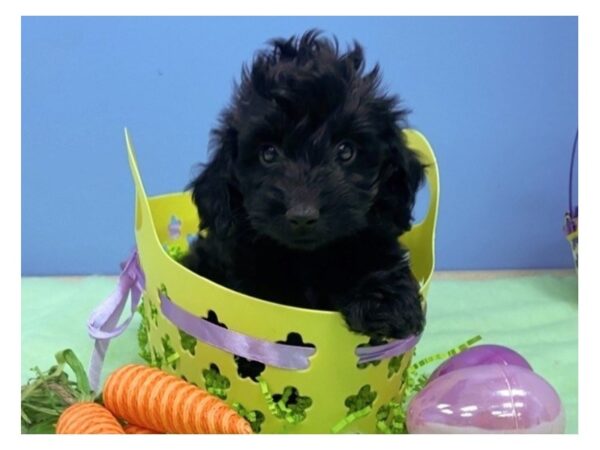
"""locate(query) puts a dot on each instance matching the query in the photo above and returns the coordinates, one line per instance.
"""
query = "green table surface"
(533, 314)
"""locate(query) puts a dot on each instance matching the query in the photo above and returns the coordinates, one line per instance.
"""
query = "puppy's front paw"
(385, 305)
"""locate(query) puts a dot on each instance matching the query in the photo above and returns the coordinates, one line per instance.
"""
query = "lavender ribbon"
(394, 348)
(277, 355)
(102, 324)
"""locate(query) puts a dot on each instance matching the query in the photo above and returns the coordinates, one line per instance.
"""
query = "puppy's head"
(309, 151)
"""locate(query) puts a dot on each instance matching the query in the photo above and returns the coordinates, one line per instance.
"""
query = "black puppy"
(309, 186)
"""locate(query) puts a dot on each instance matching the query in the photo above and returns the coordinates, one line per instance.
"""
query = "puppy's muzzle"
(302, 217)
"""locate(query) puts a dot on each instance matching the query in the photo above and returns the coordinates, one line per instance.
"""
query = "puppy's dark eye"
(345, 152)
(268, 154)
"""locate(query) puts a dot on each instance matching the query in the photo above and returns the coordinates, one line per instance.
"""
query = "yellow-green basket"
(332, 394)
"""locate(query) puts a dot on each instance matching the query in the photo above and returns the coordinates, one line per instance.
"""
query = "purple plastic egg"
(478, 356)
(492, 398)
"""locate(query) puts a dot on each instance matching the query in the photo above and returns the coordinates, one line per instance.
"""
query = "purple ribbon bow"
(102, 324)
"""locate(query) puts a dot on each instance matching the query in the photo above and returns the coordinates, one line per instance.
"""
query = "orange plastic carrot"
(155, 400)
(134, 429)
(87, 418)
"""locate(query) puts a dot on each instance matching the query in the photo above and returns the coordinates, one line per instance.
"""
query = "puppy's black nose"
(302, 216)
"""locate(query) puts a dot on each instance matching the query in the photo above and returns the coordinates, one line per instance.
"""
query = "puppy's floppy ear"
(213, 191)
(400, 181)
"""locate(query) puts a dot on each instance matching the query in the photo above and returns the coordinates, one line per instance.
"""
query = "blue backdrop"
(497, 98)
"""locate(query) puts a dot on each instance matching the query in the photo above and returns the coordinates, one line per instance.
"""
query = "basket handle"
(573, 152)
(143, 215)
(416, 141)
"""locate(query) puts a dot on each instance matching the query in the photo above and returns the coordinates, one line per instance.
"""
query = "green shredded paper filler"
(188, 342)
(216, 384)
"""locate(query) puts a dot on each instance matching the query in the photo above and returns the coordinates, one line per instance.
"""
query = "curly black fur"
(309, 186)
